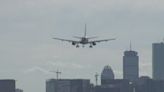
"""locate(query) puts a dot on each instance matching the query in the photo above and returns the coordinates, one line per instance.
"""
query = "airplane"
(84, 40)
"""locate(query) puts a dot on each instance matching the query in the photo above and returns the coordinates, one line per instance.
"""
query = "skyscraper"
(130, 65)
(158, 61)
(107, 74)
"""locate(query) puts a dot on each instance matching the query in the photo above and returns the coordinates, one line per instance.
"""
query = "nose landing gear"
(77, 46)
(90, 46)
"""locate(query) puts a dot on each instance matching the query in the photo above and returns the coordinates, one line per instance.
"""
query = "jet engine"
(73, 43)
(93, 43)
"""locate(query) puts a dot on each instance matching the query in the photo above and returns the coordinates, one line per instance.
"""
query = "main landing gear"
(77, 46)
(90, 46)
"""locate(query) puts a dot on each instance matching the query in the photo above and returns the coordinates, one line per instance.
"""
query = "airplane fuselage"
(84, 40)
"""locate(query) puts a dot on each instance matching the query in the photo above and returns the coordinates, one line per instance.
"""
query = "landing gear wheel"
(77, 46)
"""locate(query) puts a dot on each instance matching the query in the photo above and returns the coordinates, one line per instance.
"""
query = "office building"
(130, 65)
(145, 84)
(158, 61)
(7, 85)
(115, 85)
(68, 85)
(18, 90)
(107, 74)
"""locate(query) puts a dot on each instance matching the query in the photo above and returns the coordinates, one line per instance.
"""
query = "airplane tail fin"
(85, 33)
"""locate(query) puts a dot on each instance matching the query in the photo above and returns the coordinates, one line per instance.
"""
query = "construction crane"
(57, 73)
(96, 78)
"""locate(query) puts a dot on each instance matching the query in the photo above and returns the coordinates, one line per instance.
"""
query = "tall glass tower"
(131, 65)
(158, 61)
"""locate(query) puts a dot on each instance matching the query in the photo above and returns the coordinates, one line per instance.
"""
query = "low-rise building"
(7, 85)
(68, 85)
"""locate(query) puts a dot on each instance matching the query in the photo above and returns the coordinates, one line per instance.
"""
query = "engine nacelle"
(93, 43)
(73, 43)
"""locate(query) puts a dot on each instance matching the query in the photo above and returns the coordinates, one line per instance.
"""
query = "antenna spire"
(96, 77)
(130, 46)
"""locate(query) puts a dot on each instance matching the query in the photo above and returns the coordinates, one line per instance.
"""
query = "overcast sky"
(28, 52)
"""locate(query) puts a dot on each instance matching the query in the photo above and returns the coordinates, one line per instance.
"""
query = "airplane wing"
(104, 40)
(66, 40)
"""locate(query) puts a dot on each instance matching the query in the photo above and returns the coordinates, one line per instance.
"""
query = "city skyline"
(99, 78)
(28, 51)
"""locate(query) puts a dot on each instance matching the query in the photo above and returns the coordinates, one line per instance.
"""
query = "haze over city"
(28, 52)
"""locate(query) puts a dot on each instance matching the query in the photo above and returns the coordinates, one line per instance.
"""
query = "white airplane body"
(84, 40)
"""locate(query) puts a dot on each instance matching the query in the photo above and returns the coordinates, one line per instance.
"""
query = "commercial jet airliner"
(84, 40)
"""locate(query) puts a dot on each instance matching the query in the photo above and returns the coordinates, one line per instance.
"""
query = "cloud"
(36, 69)
(67, 65)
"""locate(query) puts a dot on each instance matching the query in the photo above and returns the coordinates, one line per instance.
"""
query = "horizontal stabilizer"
(92, 37)
(77, 37)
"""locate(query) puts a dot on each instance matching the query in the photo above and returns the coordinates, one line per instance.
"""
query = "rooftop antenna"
(96, 77)
(130, 46)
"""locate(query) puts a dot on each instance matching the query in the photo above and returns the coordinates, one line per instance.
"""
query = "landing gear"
(77, 46)
(90, 46)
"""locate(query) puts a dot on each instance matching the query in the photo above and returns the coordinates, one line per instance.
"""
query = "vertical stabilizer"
(85, 33)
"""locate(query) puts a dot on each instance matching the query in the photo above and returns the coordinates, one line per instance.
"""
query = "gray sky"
(28, 53)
